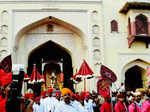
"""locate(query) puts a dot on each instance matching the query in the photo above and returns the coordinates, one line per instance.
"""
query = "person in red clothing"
(2, 101)
(106, 106)
(120, 105)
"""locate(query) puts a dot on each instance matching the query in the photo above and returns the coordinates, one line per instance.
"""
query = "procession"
(74, 56)
(63, 99)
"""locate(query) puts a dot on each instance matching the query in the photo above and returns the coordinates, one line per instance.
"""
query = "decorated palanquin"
(53, 80)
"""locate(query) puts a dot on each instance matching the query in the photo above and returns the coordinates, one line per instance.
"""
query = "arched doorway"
(54, 59)
(133, 78)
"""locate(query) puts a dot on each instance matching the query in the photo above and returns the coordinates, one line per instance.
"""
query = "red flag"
(6, 64)
(148, 71)
(7, 79)
(107, 73)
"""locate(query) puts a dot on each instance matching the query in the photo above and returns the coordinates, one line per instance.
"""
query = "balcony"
(141, 37)
(135, 4)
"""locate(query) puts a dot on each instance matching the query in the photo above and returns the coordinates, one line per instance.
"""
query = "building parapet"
(135, 4)
(49, 1)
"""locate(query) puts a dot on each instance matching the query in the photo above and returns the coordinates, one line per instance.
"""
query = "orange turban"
(66, 91)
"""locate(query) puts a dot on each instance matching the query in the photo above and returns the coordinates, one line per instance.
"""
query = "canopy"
(26, 77)
(35, 76)
(85, 71)
(75, 78)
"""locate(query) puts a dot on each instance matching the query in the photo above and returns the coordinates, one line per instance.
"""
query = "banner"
(103, 87)
(6, 64)
(107, 73)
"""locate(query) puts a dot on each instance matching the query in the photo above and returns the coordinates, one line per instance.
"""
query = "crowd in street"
(66, 101)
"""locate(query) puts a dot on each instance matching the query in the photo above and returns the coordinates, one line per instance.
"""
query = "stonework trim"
(50, 1)
(133, 53)
(49, 10)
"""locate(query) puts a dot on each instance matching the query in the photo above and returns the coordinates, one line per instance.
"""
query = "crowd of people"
(67, 101)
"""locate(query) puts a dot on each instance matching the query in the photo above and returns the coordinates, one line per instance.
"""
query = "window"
(96, 54)
(114, 26)
(95, 29)
(3, 41)
(4, 29)
(141, 24)
(96, 42)
(94, 15)
(4, 17)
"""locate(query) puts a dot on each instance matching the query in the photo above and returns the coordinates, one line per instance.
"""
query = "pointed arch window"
(141, 24)
(114, 26)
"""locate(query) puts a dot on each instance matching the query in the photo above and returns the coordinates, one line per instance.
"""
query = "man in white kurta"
(36, 105)
(89, 104)
(66, 104)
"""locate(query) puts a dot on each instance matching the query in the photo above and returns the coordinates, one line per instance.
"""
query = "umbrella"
(75, 79)
(85, 72)
(26, 77)
(35, 76)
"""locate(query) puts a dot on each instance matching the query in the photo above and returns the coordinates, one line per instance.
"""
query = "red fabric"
(43, 93)
(120, 107)
(103, 88)
(6, 64)
(37, 99)
(6, 79)
(57, 93)
(120, 95)
(132, 108)
(2, 104)
(107, 73)
(105, 107)
(26, 77)
(85, 69)
(83, 94)
(74, 77)
(50, 91)
(29, 95)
